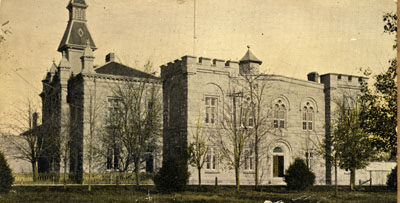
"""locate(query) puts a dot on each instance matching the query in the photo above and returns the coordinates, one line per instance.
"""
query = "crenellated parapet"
(192, 65)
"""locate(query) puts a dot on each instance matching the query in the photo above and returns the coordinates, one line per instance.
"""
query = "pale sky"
(291, 37)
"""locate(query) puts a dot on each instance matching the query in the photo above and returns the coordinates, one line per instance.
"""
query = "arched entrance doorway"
(278, 162)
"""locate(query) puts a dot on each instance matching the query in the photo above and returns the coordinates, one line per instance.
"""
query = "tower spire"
(76, 33)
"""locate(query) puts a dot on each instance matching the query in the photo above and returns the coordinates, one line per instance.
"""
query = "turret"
(87, 59)
(249, 64)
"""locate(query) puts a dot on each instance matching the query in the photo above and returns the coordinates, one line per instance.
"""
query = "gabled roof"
(114, 68)
(76, 35)
(249, 57)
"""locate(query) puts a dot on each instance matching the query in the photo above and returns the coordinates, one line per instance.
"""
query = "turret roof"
(249, 57)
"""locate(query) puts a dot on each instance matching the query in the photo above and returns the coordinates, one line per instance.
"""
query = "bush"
(392, 179)
(298, 176)
(172, 177)
(6, 178)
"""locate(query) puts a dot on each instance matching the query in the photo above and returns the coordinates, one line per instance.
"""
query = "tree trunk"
(256, 161)
(34, 170)
(199, 171)
(65, 172)
(352, 178)
(237, 174)
(137, 171)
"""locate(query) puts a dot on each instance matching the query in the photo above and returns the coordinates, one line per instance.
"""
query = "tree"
(351, 145)
(256, 86)
(379, 101)
(136, 120)
(25, 135)
(6, 178)
(233, 134)
(93, 120)
(298, 176)
(198, 149)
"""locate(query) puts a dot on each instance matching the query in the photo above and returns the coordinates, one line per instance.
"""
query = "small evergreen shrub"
(298, 176)
(172, 177)
(6, 178)
(392, 179)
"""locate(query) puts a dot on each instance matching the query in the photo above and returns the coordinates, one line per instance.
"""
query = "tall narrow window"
(211, 110)
(308, 117)
(248, 160)
(211, 159)
(279, 115)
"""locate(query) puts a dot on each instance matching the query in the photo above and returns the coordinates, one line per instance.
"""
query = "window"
(339, 77)
(251, 122)
(114, 113)
(113, 110)
(211, 159)
(279, 115)
(308, 116)
(248, 160)
(309, 158)
(211, 110)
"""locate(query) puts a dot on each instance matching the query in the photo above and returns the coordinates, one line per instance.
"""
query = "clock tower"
(76, 36)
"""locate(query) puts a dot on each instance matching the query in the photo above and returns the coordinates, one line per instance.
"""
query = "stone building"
(78, 98)
(297, 112)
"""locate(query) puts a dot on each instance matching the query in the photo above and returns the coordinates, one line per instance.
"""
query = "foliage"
(298, 176)
(351, 144)
(392, 179)
(6, 178)
(173, 176)
(390, 26)
(379, 102)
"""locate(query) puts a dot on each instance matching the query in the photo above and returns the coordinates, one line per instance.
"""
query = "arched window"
(308, 116)
(279, 115)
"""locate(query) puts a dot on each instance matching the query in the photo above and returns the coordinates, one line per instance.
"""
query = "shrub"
(392, 179)
(6, 178)
(172, 177)
(298, 176)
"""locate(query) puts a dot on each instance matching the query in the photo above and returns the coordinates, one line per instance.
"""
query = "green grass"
(195, 194)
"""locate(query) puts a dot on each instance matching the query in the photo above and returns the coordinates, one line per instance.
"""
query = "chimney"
(313, 76)
(34, 119)
(110, 57)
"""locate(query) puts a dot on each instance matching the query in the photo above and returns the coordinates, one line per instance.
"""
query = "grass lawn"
(223, 194)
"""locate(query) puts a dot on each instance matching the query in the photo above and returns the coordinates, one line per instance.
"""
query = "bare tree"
(233, 134)
(136, 122)
(198, 149)
(259, 128)
(25, 135)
